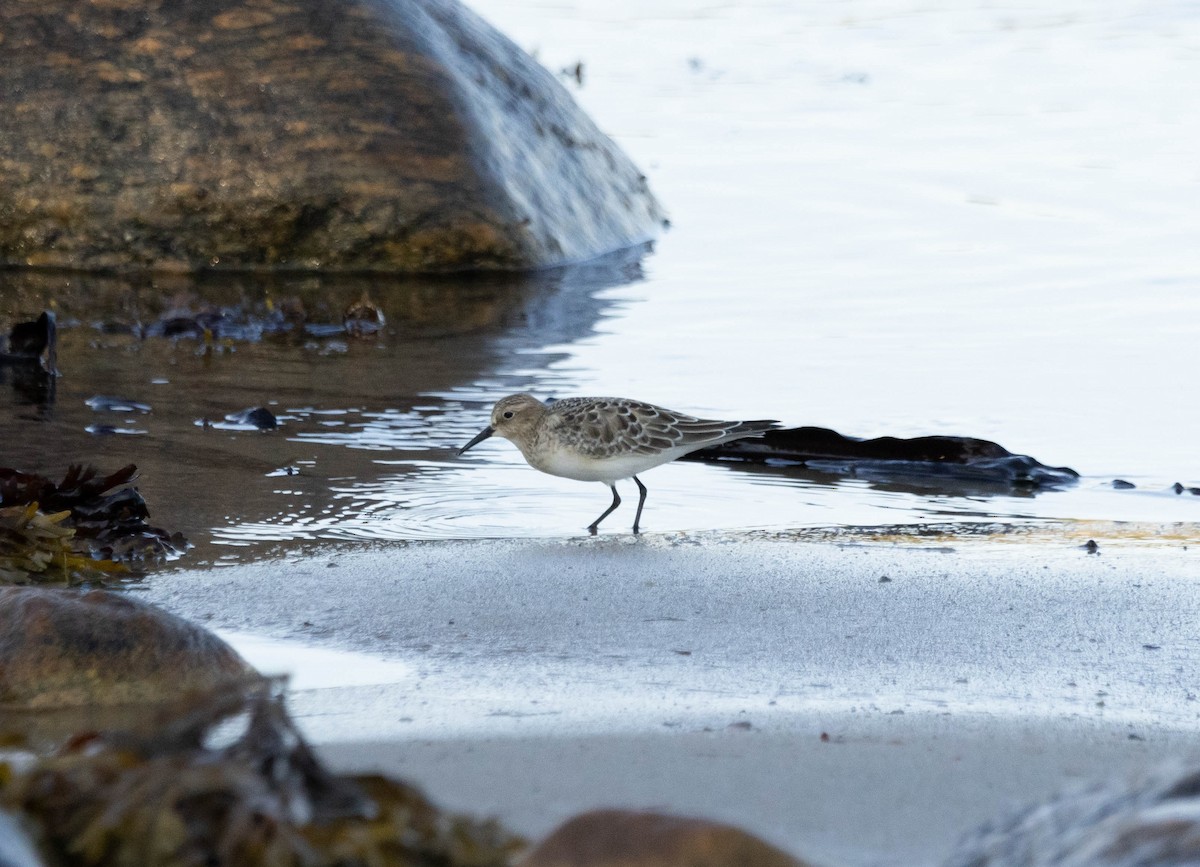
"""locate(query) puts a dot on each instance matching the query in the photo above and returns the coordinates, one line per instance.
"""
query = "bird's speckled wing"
(606, 427)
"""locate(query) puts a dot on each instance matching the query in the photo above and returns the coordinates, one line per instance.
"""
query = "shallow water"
(887, 219)
(897, 218)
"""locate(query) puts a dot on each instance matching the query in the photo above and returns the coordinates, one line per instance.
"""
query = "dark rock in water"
(363, 318)
(625, 838)
(31, 339)
(31, 352)
(1155, 821)
(950, 458)
(31, 355)
(258, 416)
(1122, 485)
(314, 134)
(66, 648)
(219, 323)
(255, 418)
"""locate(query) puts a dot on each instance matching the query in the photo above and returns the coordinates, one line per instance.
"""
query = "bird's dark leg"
(616, 502)
(641, 502)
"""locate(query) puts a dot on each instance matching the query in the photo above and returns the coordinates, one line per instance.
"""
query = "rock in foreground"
(63, 648)
(623, 838)
(313, 134)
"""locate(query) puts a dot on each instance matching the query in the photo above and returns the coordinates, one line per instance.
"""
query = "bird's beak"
(479, 437)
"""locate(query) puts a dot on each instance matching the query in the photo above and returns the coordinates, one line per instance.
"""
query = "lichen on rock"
(314, 134)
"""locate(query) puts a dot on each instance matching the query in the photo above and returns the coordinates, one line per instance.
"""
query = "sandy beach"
(855, 703)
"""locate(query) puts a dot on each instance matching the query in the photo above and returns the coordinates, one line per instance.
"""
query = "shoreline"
(535, 679)
(886, 790)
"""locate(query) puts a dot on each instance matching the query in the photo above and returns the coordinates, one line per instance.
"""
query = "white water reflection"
(310, 667)
(902, 218)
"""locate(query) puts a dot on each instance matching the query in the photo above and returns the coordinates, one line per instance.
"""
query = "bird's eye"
(508, 414)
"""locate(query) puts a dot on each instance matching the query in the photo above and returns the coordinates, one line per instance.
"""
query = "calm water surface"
(887, 219)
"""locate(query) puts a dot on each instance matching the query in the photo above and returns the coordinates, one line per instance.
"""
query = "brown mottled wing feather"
(609, 426)
(595, 426)
(666, 429)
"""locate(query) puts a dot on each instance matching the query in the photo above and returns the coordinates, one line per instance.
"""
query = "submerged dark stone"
(949, 458)
(254, 418)
(31, 339)
(313, 134)
(258, 416)
(31, 354)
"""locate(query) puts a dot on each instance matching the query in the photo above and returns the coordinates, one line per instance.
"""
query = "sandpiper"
(603, 439)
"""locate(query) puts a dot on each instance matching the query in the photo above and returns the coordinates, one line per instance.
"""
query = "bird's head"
(513, 418)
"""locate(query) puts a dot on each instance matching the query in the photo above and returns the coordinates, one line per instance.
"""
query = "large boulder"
(397, 135)
(65, 648)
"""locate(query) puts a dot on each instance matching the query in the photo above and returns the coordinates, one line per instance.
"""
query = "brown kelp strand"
(184, 791)
(85, 524)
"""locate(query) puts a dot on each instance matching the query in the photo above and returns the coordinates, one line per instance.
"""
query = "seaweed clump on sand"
(965, 466)
(84, 525)
(191, 790)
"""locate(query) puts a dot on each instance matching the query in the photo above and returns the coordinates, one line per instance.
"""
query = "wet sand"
(698, 674)
(888, 791)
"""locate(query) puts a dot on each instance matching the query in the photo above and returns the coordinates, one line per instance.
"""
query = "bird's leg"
(641, 502)
(616, 502)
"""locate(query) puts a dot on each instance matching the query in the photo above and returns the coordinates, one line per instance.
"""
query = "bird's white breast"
(571, 464)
